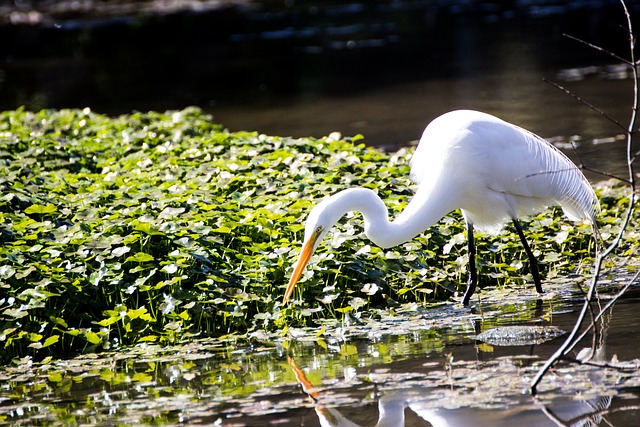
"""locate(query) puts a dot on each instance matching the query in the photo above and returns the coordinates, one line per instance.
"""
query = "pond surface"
(425, 360)
(382, 68)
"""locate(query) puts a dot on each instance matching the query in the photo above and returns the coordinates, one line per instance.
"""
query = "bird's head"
(321, 218)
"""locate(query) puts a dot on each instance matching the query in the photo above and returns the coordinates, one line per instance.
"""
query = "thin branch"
(562, 351)
(582, 166)
(578, 420)
(607, 307)
(607, 174)
(601, 365)
(600, 49)
(573, 337)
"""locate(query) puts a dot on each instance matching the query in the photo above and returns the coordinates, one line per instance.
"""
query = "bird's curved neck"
(424, 210)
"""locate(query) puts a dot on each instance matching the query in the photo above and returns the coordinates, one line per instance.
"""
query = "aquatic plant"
(159, 227)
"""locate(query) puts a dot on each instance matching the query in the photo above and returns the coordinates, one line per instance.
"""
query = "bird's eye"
(319, 230)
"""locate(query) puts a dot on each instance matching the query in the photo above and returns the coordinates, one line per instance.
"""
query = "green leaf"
(17, 313)
(58, 321)
(119, 251)
(134, 314)
(92, 337)
(40, 209)
(6, 271)
(109, 321)
(51, 340)
(147, 228)
(140, 257)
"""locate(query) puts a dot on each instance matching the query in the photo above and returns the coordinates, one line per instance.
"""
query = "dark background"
(257, 64)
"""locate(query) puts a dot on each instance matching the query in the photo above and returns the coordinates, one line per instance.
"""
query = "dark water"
(427, 363)
(383, 69)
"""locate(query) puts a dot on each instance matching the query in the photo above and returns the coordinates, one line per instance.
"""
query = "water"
(425, 360)
(493, 62)
(383, 69)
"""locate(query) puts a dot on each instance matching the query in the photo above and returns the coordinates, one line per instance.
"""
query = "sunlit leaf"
(6, 271)
(40, 209)
(120, 250)
(17, 313)
(51, 340)
(109, 321)
(92, 337)
(140, 257)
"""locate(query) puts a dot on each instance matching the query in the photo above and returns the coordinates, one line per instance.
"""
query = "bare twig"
(607, 174)
(601, 365)
(583, 166)
(606, 308)
(600, 49)
(573, 338)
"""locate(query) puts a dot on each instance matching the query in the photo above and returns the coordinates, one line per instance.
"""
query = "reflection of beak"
(307, 387)
(305, 255)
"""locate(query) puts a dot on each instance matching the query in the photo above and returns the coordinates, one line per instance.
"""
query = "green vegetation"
(159, 228)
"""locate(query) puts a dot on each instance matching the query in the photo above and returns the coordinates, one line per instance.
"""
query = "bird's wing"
(532, 168)
(498, 168)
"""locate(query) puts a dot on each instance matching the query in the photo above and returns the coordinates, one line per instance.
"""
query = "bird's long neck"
(424, 210)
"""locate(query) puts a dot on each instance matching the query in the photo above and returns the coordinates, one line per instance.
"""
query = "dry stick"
(571, 341)
(587, 168)
(600, 49)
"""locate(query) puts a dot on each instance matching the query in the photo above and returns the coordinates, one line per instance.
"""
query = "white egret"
(491, 170)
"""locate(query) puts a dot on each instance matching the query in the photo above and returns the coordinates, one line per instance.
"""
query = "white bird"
(491, 170)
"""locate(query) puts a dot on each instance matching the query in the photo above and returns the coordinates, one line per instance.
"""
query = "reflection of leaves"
(484, 347)
(141, 377)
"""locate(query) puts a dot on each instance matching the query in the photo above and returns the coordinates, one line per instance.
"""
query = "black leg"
(533, 263)
(473, 273)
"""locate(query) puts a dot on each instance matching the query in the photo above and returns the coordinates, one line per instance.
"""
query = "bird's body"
(491, 170)
(497, 170)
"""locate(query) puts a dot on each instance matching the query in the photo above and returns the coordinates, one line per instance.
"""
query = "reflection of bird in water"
(391, 411)
(491, 170)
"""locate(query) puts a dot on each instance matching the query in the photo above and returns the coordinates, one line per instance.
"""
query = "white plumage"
(498, 171)
(491, 170)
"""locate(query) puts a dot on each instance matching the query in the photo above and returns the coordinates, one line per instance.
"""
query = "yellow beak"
(305, 255)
